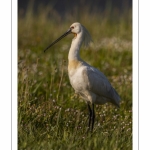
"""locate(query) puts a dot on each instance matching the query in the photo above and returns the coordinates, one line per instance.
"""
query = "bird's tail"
(116, 99)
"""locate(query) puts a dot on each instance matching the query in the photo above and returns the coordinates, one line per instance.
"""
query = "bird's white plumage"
(86, 80)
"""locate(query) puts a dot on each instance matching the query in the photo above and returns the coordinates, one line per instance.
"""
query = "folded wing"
(99, 84)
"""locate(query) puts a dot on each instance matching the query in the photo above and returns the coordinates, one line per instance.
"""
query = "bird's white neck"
(75, 48)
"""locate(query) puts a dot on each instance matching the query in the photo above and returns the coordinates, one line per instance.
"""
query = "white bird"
(87, 81)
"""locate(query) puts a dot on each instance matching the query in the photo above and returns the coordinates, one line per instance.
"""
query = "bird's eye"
(72, 27)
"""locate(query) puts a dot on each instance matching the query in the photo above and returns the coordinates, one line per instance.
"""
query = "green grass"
(50, 115)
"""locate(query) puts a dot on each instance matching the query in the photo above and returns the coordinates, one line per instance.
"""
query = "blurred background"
(103, 18)
(64, 7)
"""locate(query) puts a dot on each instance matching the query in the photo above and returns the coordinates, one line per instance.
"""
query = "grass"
(50, 115)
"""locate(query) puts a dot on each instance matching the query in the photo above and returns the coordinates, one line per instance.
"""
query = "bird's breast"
(73, 65)
(75, 69)
(75, 72)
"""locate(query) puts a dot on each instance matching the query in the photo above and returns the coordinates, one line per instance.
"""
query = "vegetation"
(50, 115)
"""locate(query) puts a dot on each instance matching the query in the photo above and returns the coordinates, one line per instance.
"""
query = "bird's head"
(78, 29)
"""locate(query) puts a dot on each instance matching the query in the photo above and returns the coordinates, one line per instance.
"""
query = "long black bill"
(65, 34)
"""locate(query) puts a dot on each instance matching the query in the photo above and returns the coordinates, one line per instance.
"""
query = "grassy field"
(50, 115)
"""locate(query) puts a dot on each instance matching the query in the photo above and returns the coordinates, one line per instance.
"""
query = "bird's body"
(91, 84)
(87, 81)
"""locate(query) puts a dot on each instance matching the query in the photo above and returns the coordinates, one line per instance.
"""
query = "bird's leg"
(90, 115)
(93, 117)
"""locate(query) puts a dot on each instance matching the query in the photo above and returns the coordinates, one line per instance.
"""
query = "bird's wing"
(99, 84)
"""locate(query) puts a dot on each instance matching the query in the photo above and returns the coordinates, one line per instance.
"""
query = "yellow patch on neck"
(73, 64)
(75, 35)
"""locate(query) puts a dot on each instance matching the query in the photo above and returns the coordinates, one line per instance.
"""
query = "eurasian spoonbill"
(90, 83)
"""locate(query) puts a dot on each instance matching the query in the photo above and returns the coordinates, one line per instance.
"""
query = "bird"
(87, 81)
